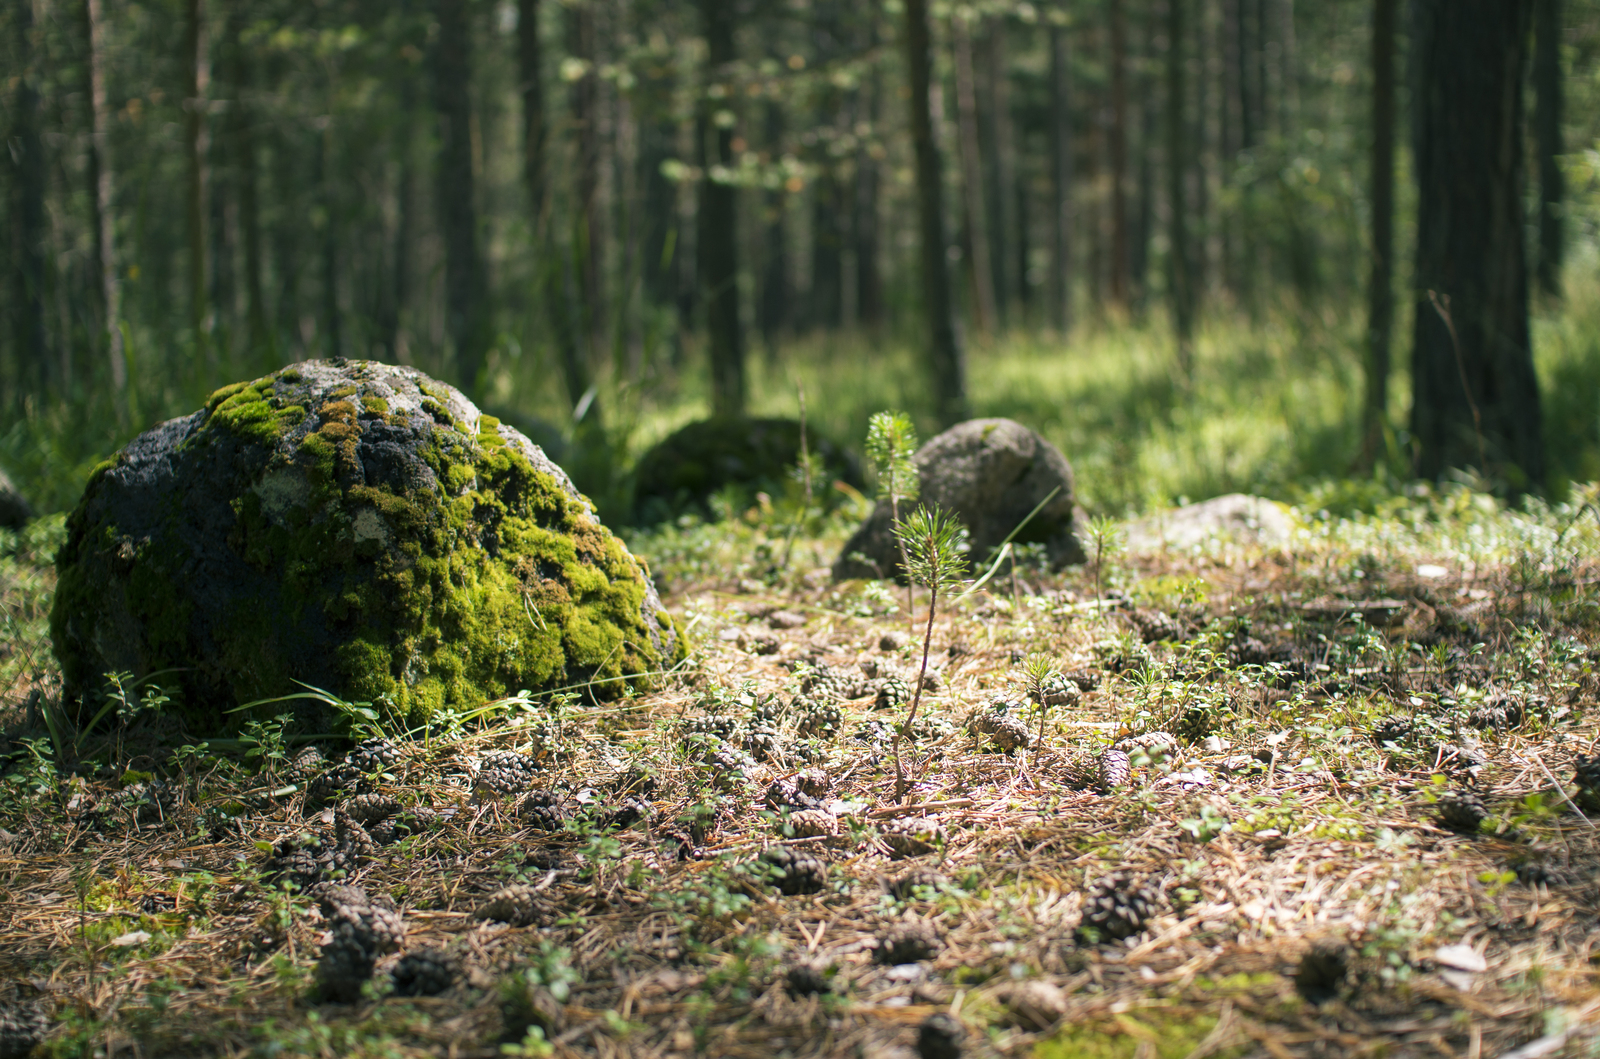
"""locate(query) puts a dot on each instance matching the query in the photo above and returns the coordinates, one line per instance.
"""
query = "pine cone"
(813, 823)
(1157, 744)
(338, 782)
(425, 972)
(763, 743)
(785, 793)
(304, 766)
(818, 719)
(1116, 770)
(1156, 626)
(351, 839)
(913, 836)
(906, 886)
(1057, 690)
(893, 692)
(793, 872)
(505, 772)
(373, 756)
(831, 684)
(369, 809)
(998, 721)
(1394, 728)
(909, 942)
(344, 966)
(1461, 811)
(22, 1027)
(814, 783)
(730, 767)
(1586, 774)
(295, 861)
(806, 979)
(1117, 906)
(517, 904)
(544, 810)
(1086, 679)
(940, 1036)
(349, 910)
(1081, 772)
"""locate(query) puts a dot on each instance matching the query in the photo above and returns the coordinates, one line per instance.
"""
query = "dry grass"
(1328, 839)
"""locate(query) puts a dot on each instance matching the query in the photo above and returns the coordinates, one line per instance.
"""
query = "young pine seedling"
(933, 545)
(891, 440)
(1105, 536)
(1037, 670)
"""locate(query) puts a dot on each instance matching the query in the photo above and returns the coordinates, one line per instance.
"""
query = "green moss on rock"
(358, 527)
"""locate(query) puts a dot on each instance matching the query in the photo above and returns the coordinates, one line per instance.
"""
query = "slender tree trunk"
(1001, 180)
(1061, 179)
(242, 128)
(1380, 284)
(197, 74)
(1547, 133)
(1142, 227)
(531, 72)
(457, 198)
(869, 269)
(28, 183)
(1121, 258)
(100, 195)
(1180, 278)
(945, 361)
(589, 230)
(972, 178)
(717, 242)
(1476, 398)
(332, 325)
(827, 257)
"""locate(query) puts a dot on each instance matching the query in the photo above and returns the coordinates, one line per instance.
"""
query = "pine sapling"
(1038, 670)
(932, 543)
(891, 440)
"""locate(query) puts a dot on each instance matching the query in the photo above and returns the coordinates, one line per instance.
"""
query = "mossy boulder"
(15, 511)
(691, 465)
(358, 527)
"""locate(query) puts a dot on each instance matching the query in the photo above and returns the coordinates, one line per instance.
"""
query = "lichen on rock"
(354, 526)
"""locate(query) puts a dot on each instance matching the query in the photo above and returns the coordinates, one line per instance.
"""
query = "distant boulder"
(1236, 517)
(686, 469)
(15, 511)
(991, 473)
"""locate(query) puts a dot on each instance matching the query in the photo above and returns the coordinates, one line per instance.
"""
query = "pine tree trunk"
(1380, 284)
(27, 156)
(1476, 398)
(972, 178)
(772, 304)
(945, 362)
(1001, 180)
(242, 131)
(589, 231)
(458, 218)
(197, 75)
(332, 325)
(717, 242)
(1547, 133)
(1061, 180)
(1180, 279)
(1121, 249)
(100, 194)
(530, 70)
(869, 274)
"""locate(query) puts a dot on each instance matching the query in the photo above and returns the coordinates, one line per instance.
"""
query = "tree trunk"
(1380, 286)
(100, 195)
(458, 217)
(869, 275)
(1001, 180)
(27, 155)
(827, 251)
(1180, 280)
(772, 304)
(332, 325)
(1121, 257)
(197, 77)
(972, 178)
(1061, 180)
(530, 69)
(242, 131)
(1547, 133)
(589, 231)
(945, 362)
(717, 242)
(1476, 398)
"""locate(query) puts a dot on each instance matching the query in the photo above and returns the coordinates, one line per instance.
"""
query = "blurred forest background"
(1162, 223)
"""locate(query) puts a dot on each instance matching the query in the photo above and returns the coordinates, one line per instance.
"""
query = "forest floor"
(1293, 862)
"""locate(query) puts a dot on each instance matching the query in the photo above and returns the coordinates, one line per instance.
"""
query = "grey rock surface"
(15, 511)
(991, 473)
(1235, 517)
